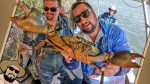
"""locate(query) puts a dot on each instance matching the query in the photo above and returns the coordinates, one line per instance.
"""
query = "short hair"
(59, 1)
(74, 5)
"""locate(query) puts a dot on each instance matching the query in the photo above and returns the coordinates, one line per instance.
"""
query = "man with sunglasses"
(11, 70)
(107, 37)
(51, 64)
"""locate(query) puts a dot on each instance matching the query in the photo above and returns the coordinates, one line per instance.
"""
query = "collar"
(113, 17)
(61, 24)
(103, 26)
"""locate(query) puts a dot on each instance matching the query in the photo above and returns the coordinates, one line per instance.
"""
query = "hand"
(24, 53)
(109, 69)
(23, 49)
(67, 57)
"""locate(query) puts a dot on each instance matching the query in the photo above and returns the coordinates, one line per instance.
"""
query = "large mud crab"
(76, 47)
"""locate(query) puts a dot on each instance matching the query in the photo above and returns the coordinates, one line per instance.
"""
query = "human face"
(12, 71)
(86, 18)
(51, 9)
(111, 12)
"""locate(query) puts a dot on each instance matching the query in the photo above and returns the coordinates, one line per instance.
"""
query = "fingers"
(68, 60)
(24, 49)
(67, 57)
(24, 53)
(110, 69)
(99, 71)
(111, 66)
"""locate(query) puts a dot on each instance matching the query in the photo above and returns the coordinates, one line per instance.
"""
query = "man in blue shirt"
(109, 16)
(107, 37)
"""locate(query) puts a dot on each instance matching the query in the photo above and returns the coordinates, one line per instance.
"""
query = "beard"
(89, 31)
(9, 79)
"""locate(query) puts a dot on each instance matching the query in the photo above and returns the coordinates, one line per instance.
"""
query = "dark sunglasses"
(53, 9)
(84, 14)
(12, 69)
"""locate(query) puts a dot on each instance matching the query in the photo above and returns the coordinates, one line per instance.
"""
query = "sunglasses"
(53, 9)
(84, 14)
(12, 69)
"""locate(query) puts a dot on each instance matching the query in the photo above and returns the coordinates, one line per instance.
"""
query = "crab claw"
(125, 59)
(132, 57)
(32, 20)
(19, 20)
(15, 18)
(24, 7)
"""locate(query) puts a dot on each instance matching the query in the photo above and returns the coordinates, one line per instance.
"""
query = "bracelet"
(118, 72)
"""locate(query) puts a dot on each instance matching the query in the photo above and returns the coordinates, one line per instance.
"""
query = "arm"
(119, 43)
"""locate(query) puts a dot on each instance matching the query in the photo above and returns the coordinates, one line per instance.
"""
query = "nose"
(12, 73)
(49, 11)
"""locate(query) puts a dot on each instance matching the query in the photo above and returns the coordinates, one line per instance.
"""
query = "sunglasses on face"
(53, 9)
(12, 69)
(84, 14)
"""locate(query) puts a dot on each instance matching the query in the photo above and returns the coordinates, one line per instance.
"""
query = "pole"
(147, 27)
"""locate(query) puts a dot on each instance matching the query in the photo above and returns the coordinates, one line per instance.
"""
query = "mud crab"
(76, 47)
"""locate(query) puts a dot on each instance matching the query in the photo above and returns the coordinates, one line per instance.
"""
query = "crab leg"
(40, 56)
(38, 45)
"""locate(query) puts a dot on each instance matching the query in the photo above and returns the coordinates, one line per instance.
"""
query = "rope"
(132, 6)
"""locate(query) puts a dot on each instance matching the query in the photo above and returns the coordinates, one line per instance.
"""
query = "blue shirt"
(110, 39)
(108, 19)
